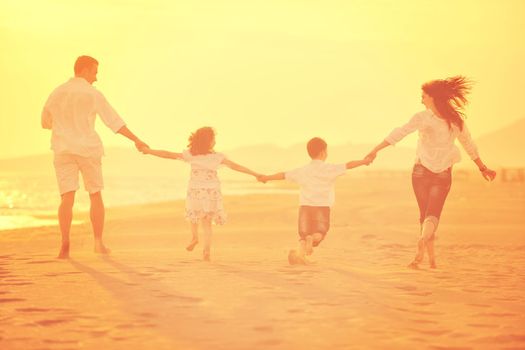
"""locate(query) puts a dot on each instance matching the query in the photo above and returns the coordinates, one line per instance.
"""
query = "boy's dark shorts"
(313, 220)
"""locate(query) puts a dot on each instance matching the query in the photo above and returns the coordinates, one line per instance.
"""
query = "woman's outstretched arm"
(487, 173)
(372, 154)
(398, 134)
(470, 147)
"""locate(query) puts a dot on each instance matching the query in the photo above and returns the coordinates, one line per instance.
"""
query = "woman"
(439, 125)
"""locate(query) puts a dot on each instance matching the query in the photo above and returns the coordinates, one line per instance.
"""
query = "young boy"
(316, 181)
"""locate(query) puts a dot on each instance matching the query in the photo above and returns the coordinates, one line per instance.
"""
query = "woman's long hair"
(201, 141)
(449, 98)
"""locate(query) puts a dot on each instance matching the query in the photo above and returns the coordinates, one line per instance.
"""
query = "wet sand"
(357, 294)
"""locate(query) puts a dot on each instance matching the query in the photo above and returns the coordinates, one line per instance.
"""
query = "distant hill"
(504, 147)
(501, 148)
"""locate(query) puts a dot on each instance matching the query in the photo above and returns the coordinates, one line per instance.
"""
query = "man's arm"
(127, 133)
(162, 153)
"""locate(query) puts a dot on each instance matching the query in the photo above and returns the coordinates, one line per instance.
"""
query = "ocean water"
(32, 200)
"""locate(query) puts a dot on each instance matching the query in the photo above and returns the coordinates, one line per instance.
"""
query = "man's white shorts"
(67, 167)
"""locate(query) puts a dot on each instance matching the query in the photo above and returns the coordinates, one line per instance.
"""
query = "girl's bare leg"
(195, 236)
(206, 226)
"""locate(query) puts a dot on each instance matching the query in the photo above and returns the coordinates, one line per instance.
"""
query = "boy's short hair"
(315, 146)
(83, 62)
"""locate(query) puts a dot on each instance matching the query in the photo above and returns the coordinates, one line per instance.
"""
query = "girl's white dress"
(204, 198)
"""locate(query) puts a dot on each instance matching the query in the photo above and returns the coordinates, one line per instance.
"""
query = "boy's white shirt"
(316, 181)
(70, 113)
(435, 148)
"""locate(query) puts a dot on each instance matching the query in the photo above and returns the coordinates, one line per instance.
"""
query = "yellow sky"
(271, 71)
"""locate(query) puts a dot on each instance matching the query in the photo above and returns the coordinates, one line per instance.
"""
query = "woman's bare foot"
(294, 258)
(192, 244)
(100, 248)
(64, 251)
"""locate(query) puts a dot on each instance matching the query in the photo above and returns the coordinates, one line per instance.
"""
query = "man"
(70, 113)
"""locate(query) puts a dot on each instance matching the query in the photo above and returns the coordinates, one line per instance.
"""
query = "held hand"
(368, 160)
(262, 178)
(372, 155)
(488, 174)
(140, 145)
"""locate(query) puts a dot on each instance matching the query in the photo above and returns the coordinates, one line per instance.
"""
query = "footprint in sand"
(503, 338)
(482, 325)
(496, 314)
(423, 321)
(40, 261)
(18, 283)
(294, 311)
(263, 328)
(479, 305)
(423, 303)
(33, 309)
(407, 288)
(421, 293)
(435, 332)
(271, 342)
(59, 341)
(11, 300)
(47, 323)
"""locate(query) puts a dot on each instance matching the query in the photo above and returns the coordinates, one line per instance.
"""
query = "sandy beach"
(356, 294)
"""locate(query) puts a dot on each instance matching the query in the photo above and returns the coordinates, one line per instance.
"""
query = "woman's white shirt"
(436, 148)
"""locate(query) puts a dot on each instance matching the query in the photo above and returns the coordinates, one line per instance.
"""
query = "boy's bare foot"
(294, 258)
(308, 249)
(206, 256)
(192, 244)
(64, 251)
(100, 248)
(433, 265)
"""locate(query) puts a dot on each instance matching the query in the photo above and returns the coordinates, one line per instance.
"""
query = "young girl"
(204, 198)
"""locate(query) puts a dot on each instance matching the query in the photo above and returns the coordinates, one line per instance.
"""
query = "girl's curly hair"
(201, 141)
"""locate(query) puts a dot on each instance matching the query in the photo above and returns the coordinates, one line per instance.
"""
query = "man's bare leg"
(65, 216)
(195, 236)
(97, 214)
(206, 227)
